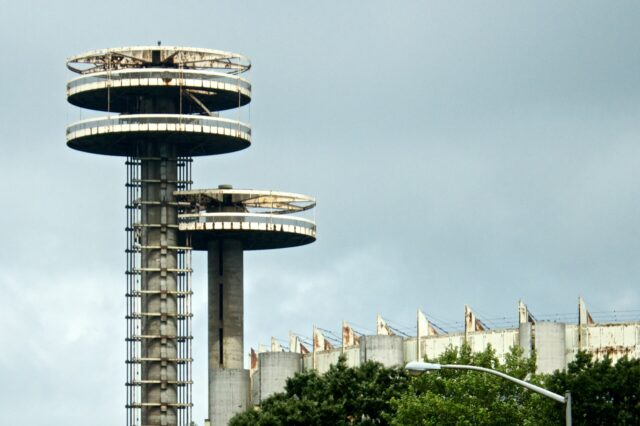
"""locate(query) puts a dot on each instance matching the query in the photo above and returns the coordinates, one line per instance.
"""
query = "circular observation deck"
(113, 79)
(259, 219)
(192, 135)
(118, 91)
(118, 58)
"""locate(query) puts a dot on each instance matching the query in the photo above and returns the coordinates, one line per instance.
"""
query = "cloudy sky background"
(474, 152)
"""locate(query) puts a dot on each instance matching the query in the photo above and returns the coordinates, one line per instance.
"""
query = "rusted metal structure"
(225, 222)
(162, 108)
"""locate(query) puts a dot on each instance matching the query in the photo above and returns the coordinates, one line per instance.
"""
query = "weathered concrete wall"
(229, 394)
(550, 346)
(525, 338)
(387, 350)
(555, 344)
(500, 340)
(274, 370)
(411, 349)
(327, 359)
(612, 340)
(324, 359)
(255, 388)
(433, 347)
(571, 341)
(353, 356)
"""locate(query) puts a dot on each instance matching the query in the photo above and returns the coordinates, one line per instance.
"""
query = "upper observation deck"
(259, 219)
(159, 94)
(117, 58)
(119, 91)
(116, 79)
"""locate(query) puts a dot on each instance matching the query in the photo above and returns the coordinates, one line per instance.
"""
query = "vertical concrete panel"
(307, 361)
(550, 346)
(387, 350)
(229, 394)
(326, 359)
(434, 346)
(571, 341)
(255, 388)
(353, 356)
(524, 338)
(275, 369)
(501, 340)
(410, 349)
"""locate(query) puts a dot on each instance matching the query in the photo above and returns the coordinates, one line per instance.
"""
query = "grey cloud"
(460, 153)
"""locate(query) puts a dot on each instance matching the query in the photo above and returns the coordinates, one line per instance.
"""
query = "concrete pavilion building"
(555, 339)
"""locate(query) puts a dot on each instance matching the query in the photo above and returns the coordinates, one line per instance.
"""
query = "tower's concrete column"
(159, 283)
(226, 316)
(228, 381)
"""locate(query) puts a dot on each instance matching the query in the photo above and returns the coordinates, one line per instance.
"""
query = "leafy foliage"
(457, 397)
(602, 393)
(341, 396)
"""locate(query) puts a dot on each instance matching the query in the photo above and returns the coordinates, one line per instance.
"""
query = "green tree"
(603, 393)
(341, 396)
(458, 397)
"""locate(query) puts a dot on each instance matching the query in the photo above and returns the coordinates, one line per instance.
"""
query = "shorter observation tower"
(225, 222)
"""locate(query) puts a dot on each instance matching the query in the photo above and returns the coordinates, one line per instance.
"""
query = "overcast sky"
(461, 152)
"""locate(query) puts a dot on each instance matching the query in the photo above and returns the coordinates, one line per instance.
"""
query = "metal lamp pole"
(420, 367)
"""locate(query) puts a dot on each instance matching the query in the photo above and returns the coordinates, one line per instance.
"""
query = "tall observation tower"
(164, 105)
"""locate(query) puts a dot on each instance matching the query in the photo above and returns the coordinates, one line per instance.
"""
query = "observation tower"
(224, 222)
(162, 108)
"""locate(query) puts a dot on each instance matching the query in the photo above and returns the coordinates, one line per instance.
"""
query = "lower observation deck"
(256, 231)
(193, 135)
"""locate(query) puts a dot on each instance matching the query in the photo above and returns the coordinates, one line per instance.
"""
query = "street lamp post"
(421, 367)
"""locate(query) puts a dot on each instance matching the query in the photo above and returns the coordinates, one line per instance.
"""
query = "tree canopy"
(456, 397)
(341, 396)
(603, 393)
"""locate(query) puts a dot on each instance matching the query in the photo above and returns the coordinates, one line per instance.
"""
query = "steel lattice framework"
(135, 293)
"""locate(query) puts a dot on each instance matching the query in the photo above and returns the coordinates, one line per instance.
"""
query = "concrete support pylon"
(229, 383)
(159, 284)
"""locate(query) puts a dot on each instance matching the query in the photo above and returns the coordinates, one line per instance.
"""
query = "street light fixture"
(420, 367)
